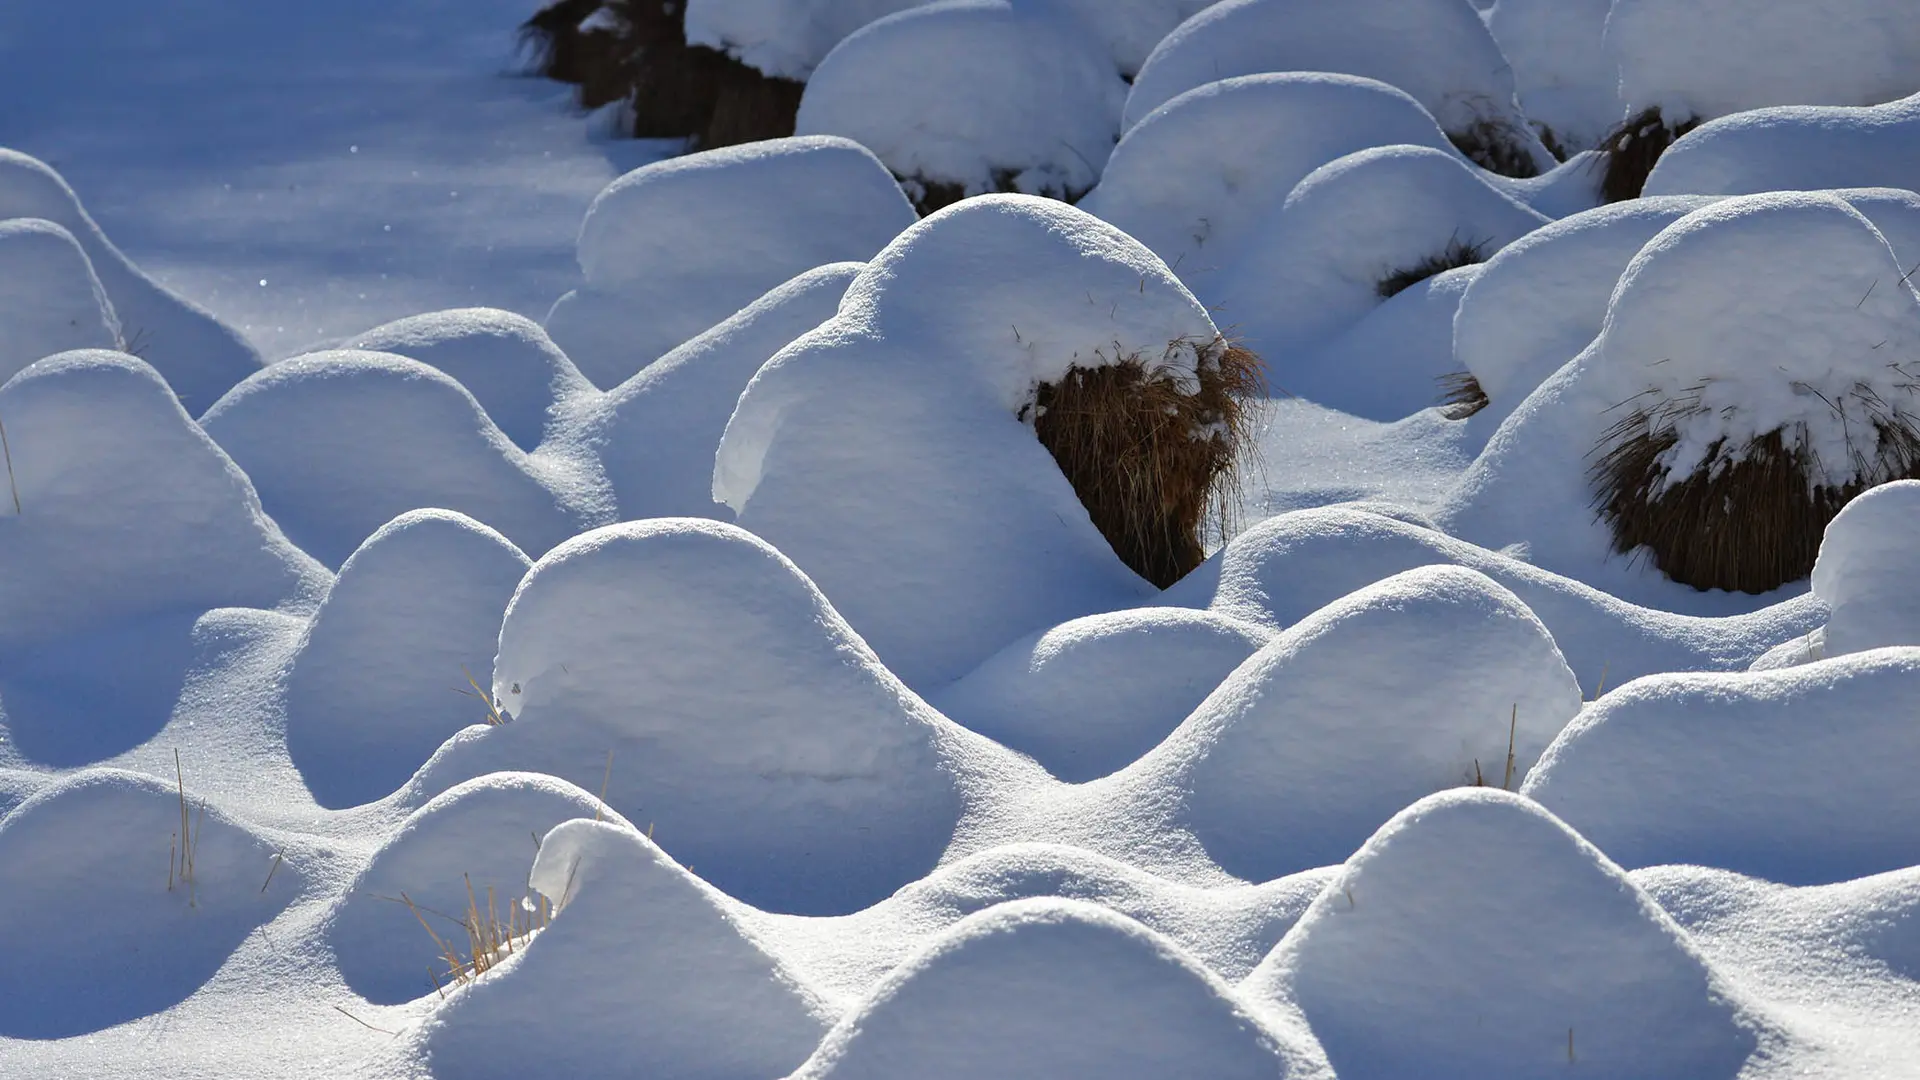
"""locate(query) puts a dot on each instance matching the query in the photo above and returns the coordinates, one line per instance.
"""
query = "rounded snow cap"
(1868, 572)
(50, 300)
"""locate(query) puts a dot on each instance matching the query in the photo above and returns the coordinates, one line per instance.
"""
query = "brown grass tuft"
(1749, 521)
(1496, 147)
(1147, 461)
(1456, 254)
(1630, 151)
(1461, 395)
(489, 940)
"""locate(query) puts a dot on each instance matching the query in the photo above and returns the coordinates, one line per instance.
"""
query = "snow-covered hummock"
(1816, 787)
(1055, 988)
(1567, 82)
(785, 39)
(484, 834)
(92, 932)
(882, 452)
(198, 355)
(1091, 695)
(1313, 266)
(1439, 51)
(675, 247)
(1285, 568)
(644, 968)
(1475, 935)
(977, 93)
(656, 433)
(1708, 58)
(745, 720)
(1543, 297)
(1312, 742)
(1802, 347)
(50, 300)
(506, 361)
(1868, 572)
(341, 442)
(1795, 147)
(1196, 174)
(412, 615)
(127, 508)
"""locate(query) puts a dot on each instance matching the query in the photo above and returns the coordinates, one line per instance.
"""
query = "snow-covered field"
(482, 598)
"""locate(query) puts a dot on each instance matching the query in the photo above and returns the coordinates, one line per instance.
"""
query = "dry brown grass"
(1148, 461)
(185, 843)
(487, 939)
(1750, 518)
(1630, 151)
(1495, 146)
(1461, 395)
(1456, 254)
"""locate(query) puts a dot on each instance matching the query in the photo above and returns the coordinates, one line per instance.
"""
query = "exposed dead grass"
(1456, 254)
(1496, 146)
(1148, 461)
(1461, 395)
(185, 843)
(484, 940)
(1629, 152)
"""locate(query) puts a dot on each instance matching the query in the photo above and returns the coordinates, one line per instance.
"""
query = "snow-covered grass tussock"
(1796, 147)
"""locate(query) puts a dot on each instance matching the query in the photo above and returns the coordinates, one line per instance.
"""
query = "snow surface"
(1567, 82)
(1797, 147)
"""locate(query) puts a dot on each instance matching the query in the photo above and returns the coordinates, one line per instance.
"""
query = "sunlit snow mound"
(1196, 174)
(786, 39)
(414, 613)
(50, 300)
(1439, 51)
(1424, 681)
(198, 355)
(1475, 935)
(506, 361)
(1050, 988)
(978, 95)
(1568, 85)
(1800, 776)
(341, 442)
(745, 720)
(1703, 357)
(481, 835)
(95, 930)
(1868, 572)
(644, 965)
(1796, 147)
(885, 453)
(656, 433)
(675, 247)
(1091, 695)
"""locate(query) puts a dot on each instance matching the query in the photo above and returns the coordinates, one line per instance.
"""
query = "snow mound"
(126, 508)
(1800, 147)
(1543, 297)
(1738, 771)
(657, 432)
(506, 361)
(981, 95)
(883, 451)
(785, 39)
(1439, 51)
(1089, 696)
(674, 247)
(744, 718)
(1399, 355)
(1866, 572)
(1301, 753)
(1194, 176)
(341, 442)
(1048, 987)
(50, 300)
(1568, 84)
(95, 935)
(1316, 264)
(414, 610)
(482, 834)
(643, 965)
(199, 356)
(1803, 350)
(1476, 935)
(1708, 58)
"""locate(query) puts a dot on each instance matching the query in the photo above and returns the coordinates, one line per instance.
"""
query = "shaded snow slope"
(675, 247)
(50, 300)
(414, 612)
(341, 442)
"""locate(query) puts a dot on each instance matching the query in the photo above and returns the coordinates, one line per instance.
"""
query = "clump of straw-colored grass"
(1751, 516)
(185, 843)
(1629, 152)
(484, 940)
(1148, 461)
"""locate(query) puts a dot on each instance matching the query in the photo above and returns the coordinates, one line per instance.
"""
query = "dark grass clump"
(1148, 461)
(636, 51)
(1496, 147)
(1461, 395)
(929, 196)
(1456, 254)
(1749, 521)
(1630, 151)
